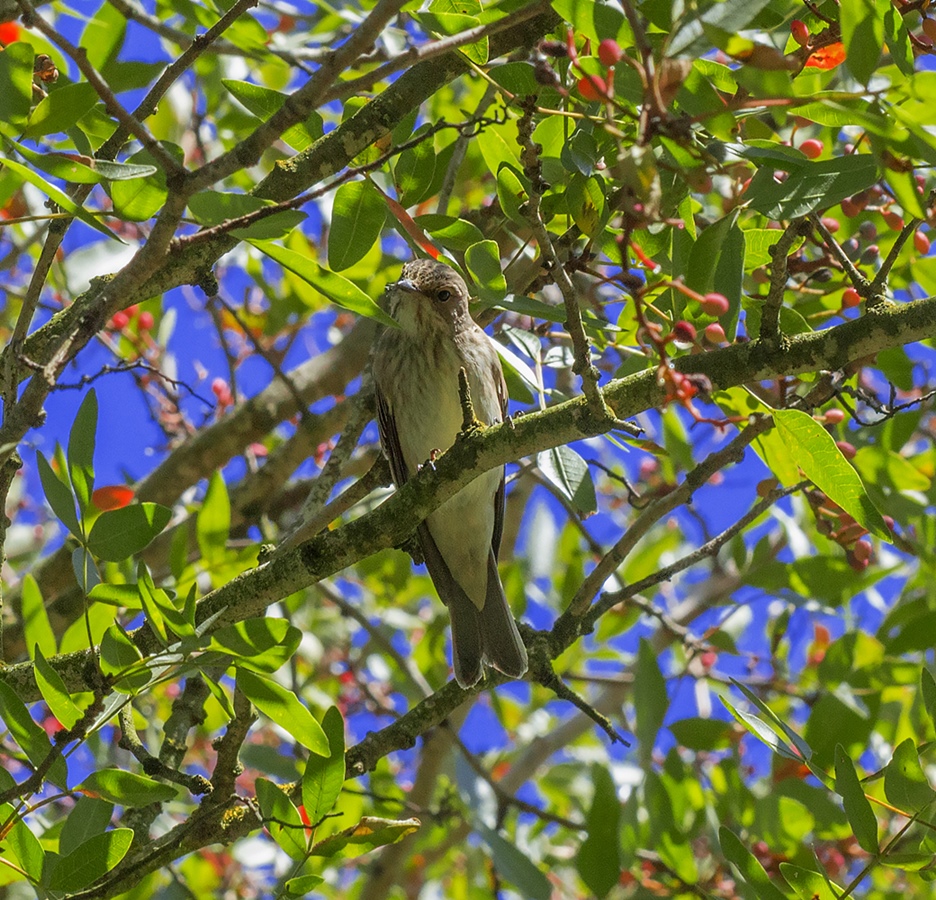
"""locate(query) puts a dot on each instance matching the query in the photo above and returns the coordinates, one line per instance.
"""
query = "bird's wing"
(500, 495)
(390, 440)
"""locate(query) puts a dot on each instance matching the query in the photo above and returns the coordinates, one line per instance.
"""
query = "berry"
(684, 332)
(715, 334)
(832, 225)
(894, 221)
(850, 209)
(119, 321)
(146, 321)
(848, 450)
(889, 522)
(766, 487)
(132, 311)
(862, 551)
(812, 148)
(920, 240)
(872, 252)
(714, 304)
(800, 32)
(593, 88)
(219, 387)
(834, 416)
(851, 298)
(609, 52)
(868, 230)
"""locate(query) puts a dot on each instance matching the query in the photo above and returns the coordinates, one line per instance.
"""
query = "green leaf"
(85, 569)
(483, 263)
(445, 17)
(214, 207)
(358, 217)
(139, 199)
(16, 75)
(281, 818)
(125, 788)
(61, 109)
(93, 859)
(697, 733)
(304, 884)
(863, 35)
(37, 630)
(599, 858)
(54, 692)
(748, 866)
(151, 607)
(369, 833)
(81, 450)
(415, 168)
(263, 102)
(928, 689)
(60, 197)
(586, 203)
(25, 845)
(514, 865)
(453, 234)
(816, 185)
(650, 700)
(261, 644)
(857, 806)
(905, 783)
(119, 533)
(283, 707)
(324, 775)
(89, 817)
(803, 750)
(119, 655)
(331, 285)
(813, 449)
(31, 738)
(58, 494)
(213, 524)
(570, 475)
(808, 884)
(763, 732)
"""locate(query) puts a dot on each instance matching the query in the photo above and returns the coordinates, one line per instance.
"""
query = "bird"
(419, 413)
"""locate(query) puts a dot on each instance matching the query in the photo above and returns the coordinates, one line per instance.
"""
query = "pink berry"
(812, 148)
(715, 334)
(834, 416)
(894, 221)
(832, 225)
(921, 242)
(684, 332)
(609, 52)
(714, 304)
(850, 209)
(146, 321)
(889, 522)
(851, 297)
(800, 32)
(119, 321)
(848, 450)
(862, 551)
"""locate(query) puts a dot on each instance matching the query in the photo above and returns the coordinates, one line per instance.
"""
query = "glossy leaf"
(324, 775)
(748, 865)
(58, 494)
(281, 818)
(94, 858)
(284, 708)
(358, 216)
(120, 533)
(261, 644)
(569, 473)
(857, 806)
(125, 788)
(54, 692)
(650, 699)
(599, 857)
(369, 833)
(905, 783)
(37, 630)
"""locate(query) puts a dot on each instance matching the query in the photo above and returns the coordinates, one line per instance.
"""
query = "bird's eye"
(444, 295)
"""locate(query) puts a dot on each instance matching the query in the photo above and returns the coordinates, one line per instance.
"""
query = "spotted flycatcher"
(419, 413)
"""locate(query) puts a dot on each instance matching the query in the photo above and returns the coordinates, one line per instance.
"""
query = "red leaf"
(827, 57)
(112, 496)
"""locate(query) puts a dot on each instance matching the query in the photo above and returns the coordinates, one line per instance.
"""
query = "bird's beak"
(404, 284)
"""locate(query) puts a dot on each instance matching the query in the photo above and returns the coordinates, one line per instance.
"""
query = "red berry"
(714, 304)
(848, 450)
(920, 240)
(812, 148)
(832, 225)
(850, 209)
(715, 334)
(834, 416)
(145, 322)
(851, 297)
(592, 88)
(609, 52)
(862, 551)
(119, 321)
(894, 221)
(132, 310)
(800, 32)
(219, 387)
(684, 332)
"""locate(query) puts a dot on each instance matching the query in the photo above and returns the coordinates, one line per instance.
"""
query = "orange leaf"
(827, 57)
(112, 496)
(410, 226)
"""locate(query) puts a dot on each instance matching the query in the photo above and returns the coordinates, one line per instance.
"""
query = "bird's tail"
(501, 643)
